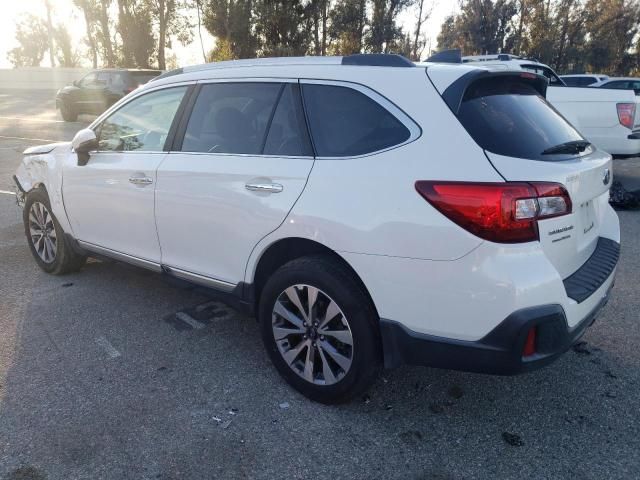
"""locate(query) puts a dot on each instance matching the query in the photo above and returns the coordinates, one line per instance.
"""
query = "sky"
(65, 13)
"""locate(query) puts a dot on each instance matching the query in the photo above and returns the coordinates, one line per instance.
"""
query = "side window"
(142, 124)
(231, 118)
(88, 79)
(103, 79)
(620, 85)
(288, 131)
(345, 122)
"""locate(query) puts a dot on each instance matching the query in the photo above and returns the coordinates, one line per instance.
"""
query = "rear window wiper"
(575, 146)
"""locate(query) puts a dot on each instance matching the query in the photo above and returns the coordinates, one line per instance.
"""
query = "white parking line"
(189, 320)
(7, 192)
(31, 139)
(110, 349)
(26, 119)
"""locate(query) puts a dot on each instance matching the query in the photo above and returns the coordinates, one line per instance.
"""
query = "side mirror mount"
(76, 83)
(84, 142)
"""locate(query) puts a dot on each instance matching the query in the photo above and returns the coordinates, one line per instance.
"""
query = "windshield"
(554, 80)
(509, 117)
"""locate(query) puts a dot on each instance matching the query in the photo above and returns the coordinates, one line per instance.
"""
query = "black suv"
(98, 90)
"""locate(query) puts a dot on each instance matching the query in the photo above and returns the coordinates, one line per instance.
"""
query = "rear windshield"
(140, 78)
(507, 116)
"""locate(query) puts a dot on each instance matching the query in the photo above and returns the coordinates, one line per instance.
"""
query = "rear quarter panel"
(368, 205)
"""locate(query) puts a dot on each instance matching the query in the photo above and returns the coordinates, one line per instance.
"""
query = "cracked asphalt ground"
(99, 380)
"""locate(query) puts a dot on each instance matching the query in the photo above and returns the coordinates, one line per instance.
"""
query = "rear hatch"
(527, 140)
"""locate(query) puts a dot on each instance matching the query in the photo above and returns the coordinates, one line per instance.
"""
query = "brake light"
(529, 348)
(626, 114)
(499, 212)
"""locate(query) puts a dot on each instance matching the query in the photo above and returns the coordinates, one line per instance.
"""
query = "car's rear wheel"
(47, 242)
(320, 329)
(68, 113)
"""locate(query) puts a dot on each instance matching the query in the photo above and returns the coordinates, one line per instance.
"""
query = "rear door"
(241, 165)
(521, 134)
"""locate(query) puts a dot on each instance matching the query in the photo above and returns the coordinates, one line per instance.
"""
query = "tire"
(68, 113)
(50, 249)
(327, 378)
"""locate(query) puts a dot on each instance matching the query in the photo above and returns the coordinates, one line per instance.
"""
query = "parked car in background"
(98, 90)
(620, 83)
(582, 80)
(369, 212)
(606, 117)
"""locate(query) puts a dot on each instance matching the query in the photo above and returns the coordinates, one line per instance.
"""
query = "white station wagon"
(367, 211)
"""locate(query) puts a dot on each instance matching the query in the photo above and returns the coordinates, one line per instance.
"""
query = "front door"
(242, 165)
(110, 200)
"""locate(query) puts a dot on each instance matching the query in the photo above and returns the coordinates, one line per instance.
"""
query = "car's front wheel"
(47, 241)
(67, 112)
(320, 329)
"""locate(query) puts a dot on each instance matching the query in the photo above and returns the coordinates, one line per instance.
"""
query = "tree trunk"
(416, 38)
(106, 35)
(325, 14)
(162, 33)
(50, 34)
(90, 39)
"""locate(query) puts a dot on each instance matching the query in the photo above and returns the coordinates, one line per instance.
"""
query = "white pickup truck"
(608, 118)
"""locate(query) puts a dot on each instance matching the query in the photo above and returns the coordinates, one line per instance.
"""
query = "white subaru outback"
(369, 212)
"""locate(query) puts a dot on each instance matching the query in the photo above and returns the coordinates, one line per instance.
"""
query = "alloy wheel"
(312, 334)
(42, 232)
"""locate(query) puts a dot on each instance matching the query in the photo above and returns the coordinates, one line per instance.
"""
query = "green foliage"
(348, 20)
(135, 29)
(569, 35)
(231, 22)
(31, 34)
(66, 54)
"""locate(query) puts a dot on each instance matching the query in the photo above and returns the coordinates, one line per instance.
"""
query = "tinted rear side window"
(140, 78)
(579, 81)
(231, 118)
(345, 122)
(288, 131)
(508, 117)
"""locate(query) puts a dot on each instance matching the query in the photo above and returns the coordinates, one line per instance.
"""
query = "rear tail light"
(498, 212)
(626, 114)
(529, 348)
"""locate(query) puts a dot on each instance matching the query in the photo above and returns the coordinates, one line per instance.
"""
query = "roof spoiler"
(446, 56)
(454, 93)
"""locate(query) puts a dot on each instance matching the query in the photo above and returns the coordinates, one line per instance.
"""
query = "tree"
(166, 14)
(318, 16)
(424, 12)
(50, 34)
(31, 34)
(136, 31)
(612, 27)
(384, 31)
(230, 22)
(348, 20)
(89, 12)
(98, 30)
(66, 55)
(281, 28)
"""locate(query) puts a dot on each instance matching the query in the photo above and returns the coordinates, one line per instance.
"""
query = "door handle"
(144, 180)
(264, 187)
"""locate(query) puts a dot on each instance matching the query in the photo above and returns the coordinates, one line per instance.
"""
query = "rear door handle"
(140, 180)
(264, 187)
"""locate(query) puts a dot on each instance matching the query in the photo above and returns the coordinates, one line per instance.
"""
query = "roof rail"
(377, 60)
(446, 56)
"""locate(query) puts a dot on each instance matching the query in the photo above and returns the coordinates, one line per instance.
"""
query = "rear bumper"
(499, 352)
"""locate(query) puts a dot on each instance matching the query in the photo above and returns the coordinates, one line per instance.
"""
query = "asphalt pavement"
(99, 379)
